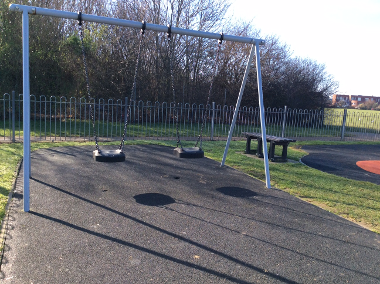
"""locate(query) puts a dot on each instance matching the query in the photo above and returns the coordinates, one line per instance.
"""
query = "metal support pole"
(262, 116)
(13, 116)
(238, 105)
(26, 107)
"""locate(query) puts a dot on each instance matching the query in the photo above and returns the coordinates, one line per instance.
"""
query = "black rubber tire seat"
(192, 152)
(109, 156)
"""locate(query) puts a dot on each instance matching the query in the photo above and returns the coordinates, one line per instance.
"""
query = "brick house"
(353, 100)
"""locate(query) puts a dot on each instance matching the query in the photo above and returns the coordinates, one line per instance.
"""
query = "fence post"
(212, 121)
(343, 124)
(13, 116)
(284, 122)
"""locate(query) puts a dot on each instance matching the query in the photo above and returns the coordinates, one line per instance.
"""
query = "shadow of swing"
(237, 192)
(154, 199)
(158, 199)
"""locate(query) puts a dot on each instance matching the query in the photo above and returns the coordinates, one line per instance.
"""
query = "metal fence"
(61, 118)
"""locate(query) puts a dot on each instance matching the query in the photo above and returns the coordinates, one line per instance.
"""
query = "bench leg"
(259, 152)
(248, 146)
(271, 151)
(285, 152)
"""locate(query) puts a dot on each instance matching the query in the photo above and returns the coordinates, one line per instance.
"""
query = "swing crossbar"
(128, 23)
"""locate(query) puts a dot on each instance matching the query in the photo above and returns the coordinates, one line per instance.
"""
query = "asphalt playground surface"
(341, 160)
(156, 218)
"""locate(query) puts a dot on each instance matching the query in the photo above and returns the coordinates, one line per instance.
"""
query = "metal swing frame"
(32, 10)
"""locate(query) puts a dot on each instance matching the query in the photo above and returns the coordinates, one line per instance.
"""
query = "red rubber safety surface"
(370, 166)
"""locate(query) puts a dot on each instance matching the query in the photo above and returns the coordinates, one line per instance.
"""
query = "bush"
(368, 105)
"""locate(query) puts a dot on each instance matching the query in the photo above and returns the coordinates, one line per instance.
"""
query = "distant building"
(353, 100)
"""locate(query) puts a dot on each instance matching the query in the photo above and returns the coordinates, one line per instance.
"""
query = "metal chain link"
(170, 46)
(121, 146)
(88, 83)
(209, 92)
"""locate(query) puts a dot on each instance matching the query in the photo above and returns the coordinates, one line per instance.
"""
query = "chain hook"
(79, 18)
(220, 40)
(143, 27)
(169, 33)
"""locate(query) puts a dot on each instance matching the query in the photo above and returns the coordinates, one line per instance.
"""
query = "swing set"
(118, 155)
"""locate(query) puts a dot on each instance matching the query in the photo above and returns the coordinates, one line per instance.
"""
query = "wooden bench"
(274, 140)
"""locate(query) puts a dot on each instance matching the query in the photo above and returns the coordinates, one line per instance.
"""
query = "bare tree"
(112, 51)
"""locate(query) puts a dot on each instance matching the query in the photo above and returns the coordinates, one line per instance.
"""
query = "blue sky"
(344, 35)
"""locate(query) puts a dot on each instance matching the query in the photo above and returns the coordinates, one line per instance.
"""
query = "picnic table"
(274, 140)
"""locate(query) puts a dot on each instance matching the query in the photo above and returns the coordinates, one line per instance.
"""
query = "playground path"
(158, 219)
(341, 160)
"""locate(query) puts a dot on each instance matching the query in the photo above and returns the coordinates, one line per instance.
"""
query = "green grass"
(80, 128)
(10, 155)
(353, 200)
(367, 119)
(357, 121)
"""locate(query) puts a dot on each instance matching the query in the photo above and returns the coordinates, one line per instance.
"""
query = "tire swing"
(107, 155)
(192, 152)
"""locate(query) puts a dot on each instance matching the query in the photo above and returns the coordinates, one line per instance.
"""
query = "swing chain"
(133, 96)
(170, 46)
(87, 80)
(199, 139)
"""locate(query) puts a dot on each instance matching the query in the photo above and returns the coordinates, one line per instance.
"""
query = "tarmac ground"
(156, 218)
(342, 160)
